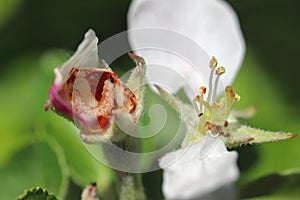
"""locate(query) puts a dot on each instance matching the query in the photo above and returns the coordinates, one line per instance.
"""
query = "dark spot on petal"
(226, 123)
(105, 76)
(112, 80)
(104, 122)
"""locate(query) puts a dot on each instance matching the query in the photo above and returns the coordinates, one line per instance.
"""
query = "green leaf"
(274, 112)
(274, 186)
(37, 194)
(15, 113)
(24, 94)
(84, 168)
(23, 120)
(7, 9)
(35, 165)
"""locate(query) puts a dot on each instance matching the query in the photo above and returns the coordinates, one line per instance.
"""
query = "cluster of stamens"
(213, 114)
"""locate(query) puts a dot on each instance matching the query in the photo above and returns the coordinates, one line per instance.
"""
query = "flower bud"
(88, 95)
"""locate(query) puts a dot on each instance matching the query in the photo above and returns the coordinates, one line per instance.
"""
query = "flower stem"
(129, 184)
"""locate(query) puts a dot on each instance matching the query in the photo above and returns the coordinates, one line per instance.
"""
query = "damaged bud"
(89, 95)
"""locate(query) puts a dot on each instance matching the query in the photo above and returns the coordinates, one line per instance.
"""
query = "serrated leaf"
(37, 194)
(236, 135)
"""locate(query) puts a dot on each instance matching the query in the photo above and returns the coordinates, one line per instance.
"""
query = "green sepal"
(170, 99)
(136, 83)
(185, 111)
(236, 135)
(37, 193)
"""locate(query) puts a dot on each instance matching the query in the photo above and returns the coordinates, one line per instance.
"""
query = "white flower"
(189, 174)
(187, 33)
(203, 165)
(208, 24)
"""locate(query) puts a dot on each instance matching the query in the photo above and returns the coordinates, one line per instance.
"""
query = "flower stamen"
(214, 113)
(202, 102)
(212, 64)
(219, 72)
(230, 98)
(202, 91)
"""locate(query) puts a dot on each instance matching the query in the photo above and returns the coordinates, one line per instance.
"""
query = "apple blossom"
(203, 164)
(211, 25)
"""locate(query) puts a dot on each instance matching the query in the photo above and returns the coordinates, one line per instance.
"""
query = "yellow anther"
(216, 105)
(233, 95)
(202, 90)
(198, 98)
(213, 62)
(228, 89)
(220, 71)
(236, 97)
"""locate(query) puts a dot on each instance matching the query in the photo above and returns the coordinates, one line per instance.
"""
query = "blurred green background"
(39, 148)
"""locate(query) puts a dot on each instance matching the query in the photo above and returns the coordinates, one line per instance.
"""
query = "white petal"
(211, 24)
(187, 176)
(86, 54)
